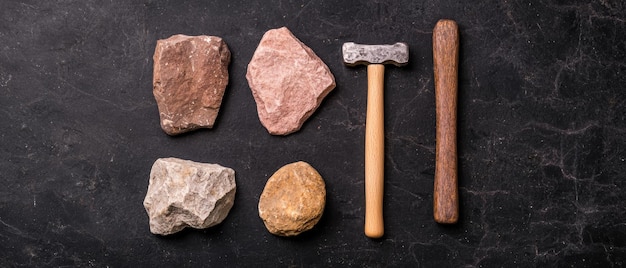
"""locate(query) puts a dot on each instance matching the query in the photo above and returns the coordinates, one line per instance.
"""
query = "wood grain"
(446, 61)
(374, 152)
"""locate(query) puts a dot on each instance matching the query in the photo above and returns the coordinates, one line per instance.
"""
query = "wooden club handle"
(374, 151)
(446, 61)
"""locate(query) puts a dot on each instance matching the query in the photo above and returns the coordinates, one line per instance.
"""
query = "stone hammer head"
(396, 54)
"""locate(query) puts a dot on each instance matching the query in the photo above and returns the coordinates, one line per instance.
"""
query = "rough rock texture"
(293, 199)
(185, 193)
(190, 77)
(288, 81)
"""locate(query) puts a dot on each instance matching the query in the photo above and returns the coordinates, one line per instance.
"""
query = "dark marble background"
(542, 135)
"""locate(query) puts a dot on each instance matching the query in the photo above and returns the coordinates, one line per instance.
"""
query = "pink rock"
(288, 81)
(190, 77)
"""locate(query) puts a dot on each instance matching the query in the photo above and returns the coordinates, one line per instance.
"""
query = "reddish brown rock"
(190, 76)
(293, 200)
(288, 81)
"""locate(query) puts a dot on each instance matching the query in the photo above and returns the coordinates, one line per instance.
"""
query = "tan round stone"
(293, 199)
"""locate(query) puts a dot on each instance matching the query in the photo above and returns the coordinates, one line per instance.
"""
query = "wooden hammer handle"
(446, 61)
(374, 152)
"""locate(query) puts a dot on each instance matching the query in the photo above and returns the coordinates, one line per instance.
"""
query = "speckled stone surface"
(293, 199)
(542, 135)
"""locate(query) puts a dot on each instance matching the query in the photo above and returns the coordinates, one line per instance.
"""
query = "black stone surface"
(542, 135)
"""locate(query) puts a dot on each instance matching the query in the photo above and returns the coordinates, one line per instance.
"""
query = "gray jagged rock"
(184, 193)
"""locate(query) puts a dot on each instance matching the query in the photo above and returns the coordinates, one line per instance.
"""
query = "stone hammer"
(375, 56)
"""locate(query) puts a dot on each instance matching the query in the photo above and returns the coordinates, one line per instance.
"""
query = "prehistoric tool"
(446, 62)
(375, 56)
